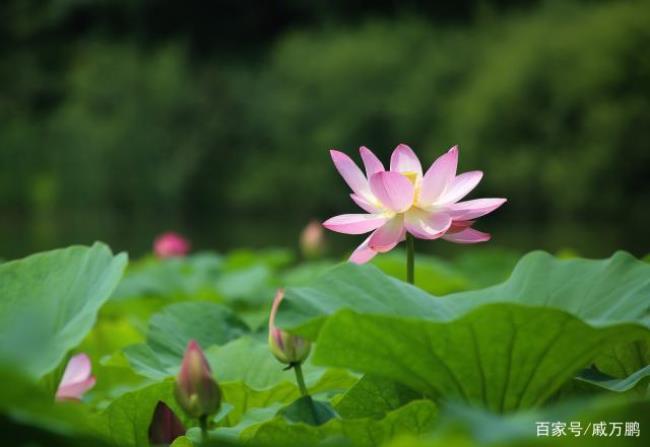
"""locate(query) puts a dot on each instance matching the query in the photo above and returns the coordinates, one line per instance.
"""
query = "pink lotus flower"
(170, 245)
(287, 348)
(403, 199)
(196, 391)
(77, 379)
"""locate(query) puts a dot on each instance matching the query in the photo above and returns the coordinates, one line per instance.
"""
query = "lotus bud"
(196, 390)
(312, 240)
(286, 347)
(169, 245)
(165, 426)
(77, 378)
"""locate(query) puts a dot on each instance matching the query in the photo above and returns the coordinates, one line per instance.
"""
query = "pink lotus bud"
(286, 347)
(312, 240)
(196, 390)
(170, 245)
(77, 379)
(165, 426)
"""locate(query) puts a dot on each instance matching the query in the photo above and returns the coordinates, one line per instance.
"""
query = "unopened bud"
(196, 390)
(312, 240)
(286, 347)
(165, 426)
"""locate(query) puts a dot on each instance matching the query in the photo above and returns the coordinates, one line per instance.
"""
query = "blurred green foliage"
(105, 112)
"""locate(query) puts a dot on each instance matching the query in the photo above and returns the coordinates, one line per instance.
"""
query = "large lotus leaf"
(373, 397)
(49, 302)
(485, 346)
(172, 328)
(621, 367)
(600, 292)
(623, 360)
(502, 356)
(414, 418)
(431, 274)
(364, 289)
(613, 384)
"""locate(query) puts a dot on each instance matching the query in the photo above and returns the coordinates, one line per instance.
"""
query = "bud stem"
(297, 367)
(203, 422)
(410, 259)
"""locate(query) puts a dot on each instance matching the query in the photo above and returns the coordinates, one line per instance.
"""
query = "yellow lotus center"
(412, 177)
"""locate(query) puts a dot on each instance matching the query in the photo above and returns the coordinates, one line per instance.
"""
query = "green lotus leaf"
(50, 302)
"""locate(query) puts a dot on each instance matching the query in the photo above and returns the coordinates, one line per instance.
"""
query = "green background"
(123, 119)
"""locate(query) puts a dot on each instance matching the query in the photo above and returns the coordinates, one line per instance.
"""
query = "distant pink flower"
(171, 244)
(312, 239)
(77, 379)
(403, 199)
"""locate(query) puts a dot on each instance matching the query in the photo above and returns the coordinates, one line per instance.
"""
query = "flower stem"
(410, 259)
(300, 379)
(297, 367)
(203, 422)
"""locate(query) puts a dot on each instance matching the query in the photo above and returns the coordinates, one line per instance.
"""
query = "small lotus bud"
(196, 390)
(312, 240)
(169, 245)
(286, 347)
(165, 426)
(77, 378)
